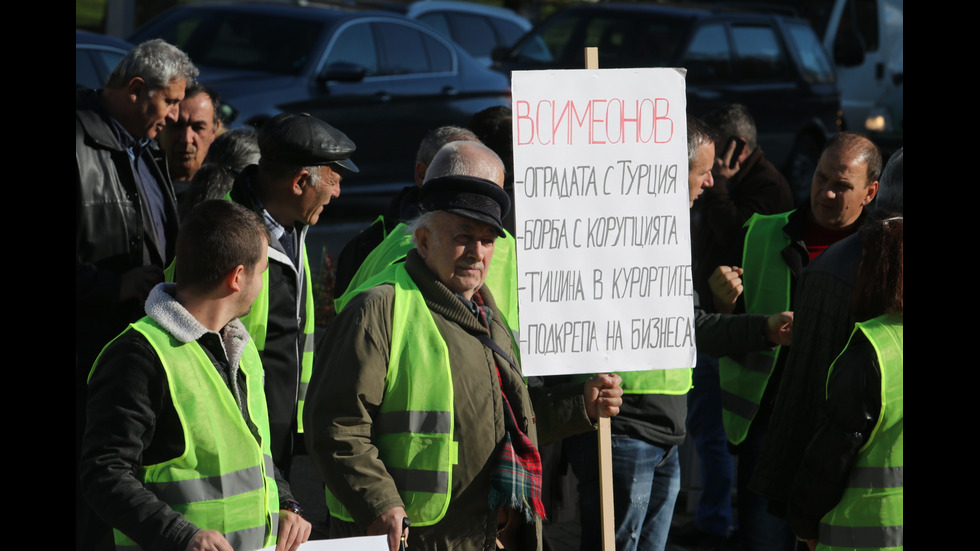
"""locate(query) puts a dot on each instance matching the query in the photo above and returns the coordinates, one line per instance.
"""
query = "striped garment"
(516, 479)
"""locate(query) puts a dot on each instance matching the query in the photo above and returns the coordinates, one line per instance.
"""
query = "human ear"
(420, 169)
(872, 191)
(300, 180)
(422, 241)
(135, 88)
(236, 278)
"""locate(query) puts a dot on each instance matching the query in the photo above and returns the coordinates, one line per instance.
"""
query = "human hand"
(722, 170)
(389, 523)
(209, 540)
(779, 328)
(138, 282)
(293, 531)
(603, 395)
(726, 286)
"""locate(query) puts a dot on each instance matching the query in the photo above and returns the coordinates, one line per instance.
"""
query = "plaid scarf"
(515, 482)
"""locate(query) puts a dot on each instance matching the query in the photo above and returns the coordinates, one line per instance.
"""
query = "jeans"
(704, 426)
(759, 529)
(646, 481)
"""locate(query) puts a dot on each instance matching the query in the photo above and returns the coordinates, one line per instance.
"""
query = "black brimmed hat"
(305, 140)
(468, 196)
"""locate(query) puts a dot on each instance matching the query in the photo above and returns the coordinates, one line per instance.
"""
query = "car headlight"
(879, 120)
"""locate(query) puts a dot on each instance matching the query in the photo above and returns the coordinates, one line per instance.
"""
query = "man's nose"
(188, 134)
(173, 112)
(335, 192)
(710, 181)
(473, 250)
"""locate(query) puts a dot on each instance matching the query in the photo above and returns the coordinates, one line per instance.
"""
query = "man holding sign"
(646, 471)
(419, 408)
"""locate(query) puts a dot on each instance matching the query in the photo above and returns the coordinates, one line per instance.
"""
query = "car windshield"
(240, 41)
(624, 39)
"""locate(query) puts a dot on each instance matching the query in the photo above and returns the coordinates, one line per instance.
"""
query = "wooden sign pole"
(605, 436)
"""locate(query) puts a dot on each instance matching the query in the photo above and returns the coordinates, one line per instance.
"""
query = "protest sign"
(603, 221)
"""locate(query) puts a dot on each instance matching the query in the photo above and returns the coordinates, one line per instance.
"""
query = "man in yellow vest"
(393, 248)
(176, 450)
(403, 208)
(651, 422)
(418, 408)
(775, 250)
(299, 173)
(792, 469)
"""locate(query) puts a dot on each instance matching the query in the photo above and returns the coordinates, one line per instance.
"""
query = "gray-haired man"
(125, 210)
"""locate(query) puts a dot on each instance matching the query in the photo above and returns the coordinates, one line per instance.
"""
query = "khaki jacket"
(348, 387)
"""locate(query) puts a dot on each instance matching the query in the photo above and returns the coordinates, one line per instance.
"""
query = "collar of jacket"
(442, 300)
(163, 308)
(241, 193)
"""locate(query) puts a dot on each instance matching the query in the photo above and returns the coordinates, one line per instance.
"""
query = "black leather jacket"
(111, 220)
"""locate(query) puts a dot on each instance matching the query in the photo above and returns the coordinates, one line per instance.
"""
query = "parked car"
(772, 64)
(96, 56)
(864, 36)
(380, 77)
(478, 28)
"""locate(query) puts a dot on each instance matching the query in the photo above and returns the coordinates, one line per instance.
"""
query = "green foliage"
(90, 15)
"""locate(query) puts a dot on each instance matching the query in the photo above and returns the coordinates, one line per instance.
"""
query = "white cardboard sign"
(365, 543)
(603, 220)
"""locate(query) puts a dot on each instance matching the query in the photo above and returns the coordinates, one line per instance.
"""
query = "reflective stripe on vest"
(224, 479)
(501, 278)
(766, 289)
(870, 513)
(414, 426)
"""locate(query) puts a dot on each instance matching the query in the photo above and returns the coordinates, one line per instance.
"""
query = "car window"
(709, 58)
(548, 45)
(440, 57)
(241, 41)
(93, 65)
(355, 44)
(862, 16)
(508, 31)
(407, 50)
(624, 39)
(631, 41)
(758, 53)
(473, 32)
(437, 21)
(108, 58)
(815, 65)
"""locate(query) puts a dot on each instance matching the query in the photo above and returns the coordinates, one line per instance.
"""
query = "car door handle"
(449, 91)
(382, 95)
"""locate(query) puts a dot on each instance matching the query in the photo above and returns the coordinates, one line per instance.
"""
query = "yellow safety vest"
(870, 514)
(224, 480)
(414, 425)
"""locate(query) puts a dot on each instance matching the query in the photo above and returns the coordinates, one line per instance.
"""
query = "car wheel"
(800, 166)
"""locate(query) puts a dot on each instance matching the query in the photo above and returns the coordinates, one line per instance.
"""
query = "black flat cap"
(468, 196)
(305, 140)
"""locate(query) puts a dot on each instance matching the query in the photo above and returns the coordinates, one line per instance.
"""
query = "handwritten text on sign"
(603, 226)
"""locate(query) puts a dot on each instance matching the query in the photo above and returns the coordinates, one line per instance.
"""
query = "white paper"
(367, 543)
(603, 220)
